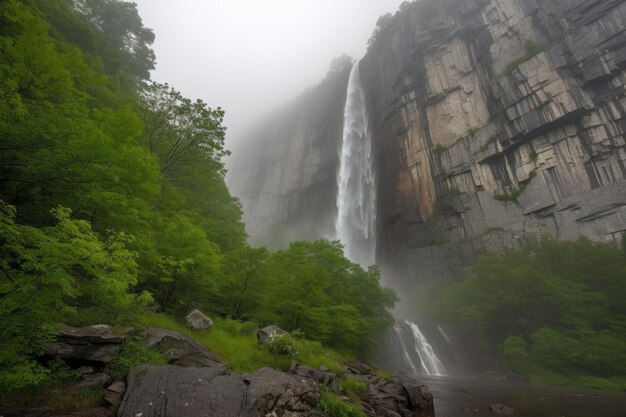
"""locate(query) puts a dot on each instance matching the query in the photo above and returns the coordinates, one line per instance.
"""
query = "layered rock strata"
(494, 123)
(497, 122)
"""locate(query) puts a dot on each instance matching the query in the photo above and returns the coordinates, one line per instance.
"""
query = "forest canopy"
(112, 197)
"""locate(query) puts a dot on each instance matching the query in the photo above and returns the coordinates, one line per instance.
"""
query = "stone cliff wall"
(286, 176)
(496, 122)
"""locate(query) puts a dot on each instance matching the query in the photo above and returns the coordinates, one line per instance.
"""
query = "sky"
(251, 56)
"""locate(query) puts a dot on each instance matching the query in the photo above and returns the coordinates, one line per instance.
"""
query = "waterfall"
(356, 218)
(430, 362)
(356, 199)
(407, 357)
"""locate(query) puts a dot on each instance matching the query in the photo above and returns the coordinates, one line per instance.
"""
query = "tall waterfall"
(356, 219)
(356, 200)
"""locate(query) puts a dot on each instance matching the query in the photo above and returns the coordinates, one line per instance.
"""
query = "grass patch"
(532, 50)
(133, 354)
(236, 343)
(335, 406)
(80, 399)
(353, 386)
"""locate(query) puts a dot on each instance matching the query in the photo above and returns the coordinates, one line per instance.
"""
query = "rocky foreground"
(195, 382)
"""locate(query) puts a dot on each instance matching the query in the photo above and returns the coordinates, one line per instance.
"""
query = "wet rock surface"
(176, 391)
(97, 343)
(197, 320)
(179, 349)
(267, 334)
(494, 123)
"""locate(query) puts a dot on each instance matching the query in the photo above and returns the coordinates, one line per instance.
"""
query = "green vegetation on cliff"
(556, 310)
(112, 196)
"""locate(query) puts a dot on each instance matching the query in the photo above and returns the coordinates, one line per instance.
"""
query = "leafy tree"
(49, 274)
(556, 310)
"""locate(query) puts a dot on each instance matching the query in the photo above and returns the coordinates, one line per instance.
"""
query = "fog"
(250, 56)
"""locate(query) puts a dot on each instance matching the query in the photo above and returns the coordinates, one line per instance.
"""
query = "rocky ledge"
(197, 382)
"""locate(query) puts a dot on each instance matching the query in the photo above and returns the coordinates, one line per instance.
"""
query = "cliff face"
(496, 122)
(286, 176)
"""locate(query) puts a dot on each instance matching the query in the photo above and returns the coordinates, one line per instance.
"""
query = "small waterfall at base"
(430, 362)
(356, 199)
(409, 351)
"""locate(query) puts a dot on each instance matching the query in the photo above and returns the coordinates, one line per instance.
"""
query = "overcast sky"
(249, 56)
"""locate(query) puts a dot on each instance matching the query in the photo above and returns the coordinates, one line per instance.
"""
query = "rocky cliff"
(286, 176)
(494, 122)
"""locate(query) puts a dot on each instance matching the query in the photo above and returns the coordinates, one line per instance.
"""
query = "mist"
(250, 56)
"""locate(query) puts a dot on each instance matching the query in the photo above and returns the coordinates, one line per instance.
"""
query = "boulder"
(503, 410)
(267, 334)
(179, 349)
(97, 343)
(273, 392)
(114, 393)
(322, 375)
(92, 380)
(175, 391)
(391, 397)
(198, 320)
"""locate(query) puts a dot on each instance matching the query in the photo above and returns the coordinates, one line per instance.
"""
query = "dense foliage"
(556, 310)
(112, 195)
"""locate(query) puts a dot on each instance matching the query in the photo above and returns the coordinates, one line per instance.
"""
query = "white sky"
(248, 56)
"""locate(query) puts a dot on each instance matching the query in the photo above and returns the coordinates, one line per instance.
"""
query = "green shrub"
(133, 354)
(353, 386)
(284, 345)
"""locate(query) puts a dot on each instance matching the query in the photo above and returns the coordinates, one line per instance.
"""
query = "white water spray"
(431, 364)
(407, 357)
(356, 200)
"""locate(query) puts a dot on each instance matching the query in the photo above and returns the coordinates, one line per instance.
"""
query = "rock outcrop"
(266, 335)
(286, 176)
(197, 320)
(179, 349)
(497, 122)
(210, 391)
(97, 343)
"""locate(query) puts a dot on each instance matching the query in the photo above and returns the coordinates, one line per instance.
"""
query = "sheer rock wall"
(497, 122)
(286, 176)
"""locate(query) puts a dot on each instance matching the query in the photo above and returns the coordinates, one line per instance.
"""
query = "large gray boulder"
(179, 349)
(266, 335)
(155, 391)
(197, 320)
(320, 375)
(97, 343)
(392, 397)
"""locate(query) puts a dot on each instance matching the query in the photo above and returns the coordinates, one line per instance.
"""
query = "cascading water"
(356, 199)
(356, 219)
(408, 351)
(430, 362)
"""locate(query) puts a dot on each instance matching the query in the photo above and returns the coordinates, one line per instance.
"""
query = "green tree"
(49, 274)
